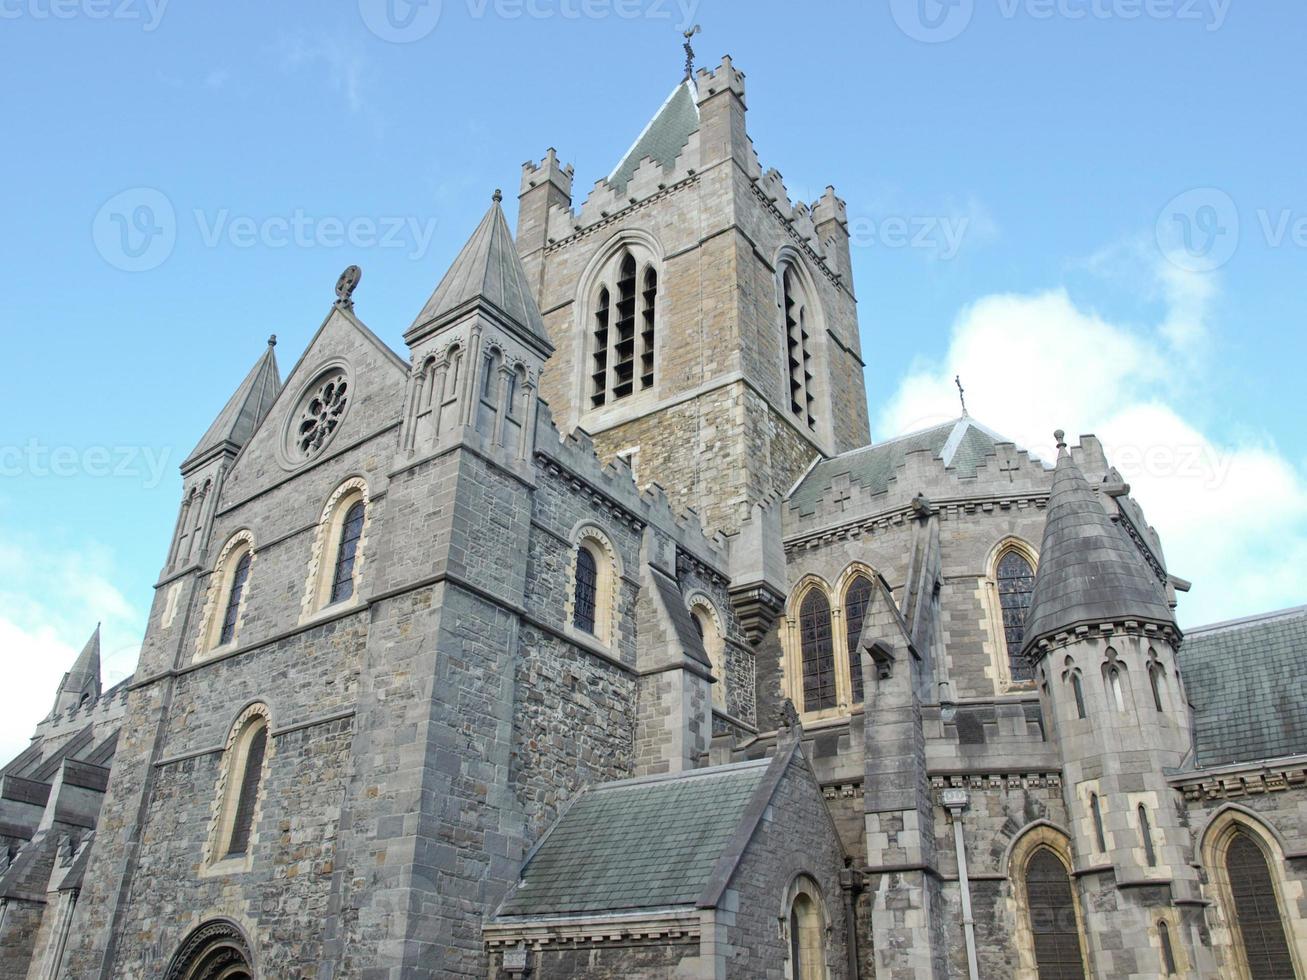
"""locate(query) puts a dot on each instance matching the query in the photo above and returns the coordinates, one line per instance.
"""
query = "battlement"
(548, 171)
(724, 78)
(109, 706)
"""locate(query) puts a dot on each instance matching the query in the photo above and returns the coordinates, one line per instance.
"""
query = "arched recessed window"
(817, 652)
(342, 582)
(1016, 583)
(1155, 681)
(1078, 689)
(1257, 909)
(856, 599)
(1168, 951)
(798, 345)
(243, 770)
(235, 592)
(1096, 811)
(490, 380)
(806, 925)
(587, 587)
(705, 624)
(649, 300)
(599, 352)
(1146, 835)
(1115, 689)
(1053, 923)
(620, 292)
(251, 778)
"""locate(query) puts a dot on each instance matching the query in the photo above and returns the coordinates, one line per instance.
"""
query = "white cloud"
(1232, 513)
(50, 601)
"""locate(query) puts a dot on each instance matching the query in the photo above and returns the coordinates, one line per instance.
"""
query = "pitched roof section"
(1248, 688)
(645, 843)
(487, 271)
(1089, 570)
(665, 136)
(243, 411)
(961, 445)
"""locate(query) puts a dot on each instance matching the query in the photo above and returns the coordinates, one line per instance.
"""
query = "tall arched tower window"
(1257, 910)
(818, 652)
(587, 587)
(235, 592)
(1053, 920)
(255, 747)
(1016, 583)
(856, 599)
(798, 347)
(342, 581)
(240, 786)
(623, 298)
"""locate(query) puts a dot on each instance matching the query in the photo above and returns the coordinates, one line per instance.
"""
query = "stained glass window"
(1016, 582)
(855, 609)
(342, 583)
(1257, 911)
(1053, 918)
(234, 595)
(587, 586)
(249, 794)
(818, 652)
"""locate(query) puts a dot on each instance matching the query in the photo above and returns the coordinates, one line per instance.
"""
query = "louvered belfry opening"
(797, 341)
(1257, 910)
(818, 652)
(1053, 918)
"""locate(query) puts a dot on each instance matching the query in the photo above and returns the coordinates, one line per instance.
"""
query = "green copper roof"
(637, 844)
(664, 137)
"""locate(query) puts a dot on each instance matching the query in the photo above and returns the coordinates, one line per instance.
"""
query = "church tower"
(705, 325)
(1104, 642)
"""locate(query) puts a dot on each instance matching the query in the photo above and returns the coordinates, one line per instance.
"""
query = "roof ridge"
(1265, 617)
(725, 769)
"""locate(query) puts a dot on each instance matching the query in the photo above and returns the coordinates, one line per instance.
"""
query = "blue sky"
(1020, 174)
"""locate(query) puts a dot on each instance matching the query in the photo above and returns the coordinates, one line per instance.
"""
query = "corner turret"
(82, 682)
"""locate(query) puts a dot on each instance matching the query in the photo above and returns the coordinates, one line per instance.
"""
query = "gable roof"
(1090, 571)
(487, 271)
(646, 843)
(243, 412)
(961, 445)
(1246, 682)
(665, 135)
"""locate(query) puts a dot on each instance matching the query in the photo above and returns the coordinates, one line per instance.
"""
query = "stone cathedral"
(586, 634)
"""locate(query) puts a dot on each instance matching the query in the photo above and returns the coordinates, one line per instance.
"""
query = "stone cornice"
(1242, 779)
(1041, 648)
(653, 926)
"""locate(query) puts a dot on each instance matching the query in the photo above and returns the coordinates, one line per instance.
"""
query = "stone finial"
(272, 341)
(1060, 436)
(345, 286)
(497, 196)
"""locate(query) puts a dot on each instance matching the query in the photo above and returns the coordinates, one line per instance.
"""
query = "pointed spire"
(83, 680)
(1090, 572)
(243, 411)
(487, 272)
(665, 135)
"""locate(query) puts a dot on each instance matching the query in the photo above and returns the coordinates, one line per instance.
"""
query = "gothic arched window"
(251, 778)
(235, 592)
(1115, 689)
(587, 587)
(1096, 811)
(1078, 689)
(1168, 951)
(798, 345)
(622, 337)
(243, 768)
(818, 652)
(1053, 923)
(342, 582)
(856, 599)
(705, 624)
(1016, 583)
(599, 355)
(1146, 834)
(1257, 910)
(648, 307)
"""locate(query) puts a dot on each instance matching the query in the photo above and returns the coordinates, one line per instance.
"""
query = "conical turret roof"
(1090, 571)
(243, 411)
(487, 271)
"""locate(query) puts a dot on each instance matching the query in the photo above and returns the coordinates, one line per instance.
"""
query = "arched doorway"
(215, 951)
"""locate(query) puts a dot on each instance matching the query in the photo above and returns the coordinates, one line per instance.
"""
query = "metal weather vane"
(962, 395)
(689, 51)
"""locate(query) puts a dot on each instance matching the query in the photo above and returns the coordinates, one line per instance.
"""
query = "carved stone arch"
(648, 253)
(802, 900)
(1215, 838)
(1036, 838)
(1001, 657)
(698, 603)
(793, 646)
(236, 547)
(216, 950)
(588, 534)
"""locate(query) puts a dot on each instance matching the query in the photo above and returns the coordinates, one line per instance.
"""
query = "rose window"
(321, 414)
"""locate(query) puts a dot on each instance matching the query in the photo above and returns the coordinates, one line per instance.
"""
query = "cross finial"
(962, 395)
(689, 51)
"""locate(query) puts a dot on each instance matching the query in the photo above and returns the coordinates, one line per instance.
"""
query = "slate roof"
(664, 137)
(1246, 682)
(1090, 571)
(646, 843)
(487, 270)
(960, 445)
(243, 411)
